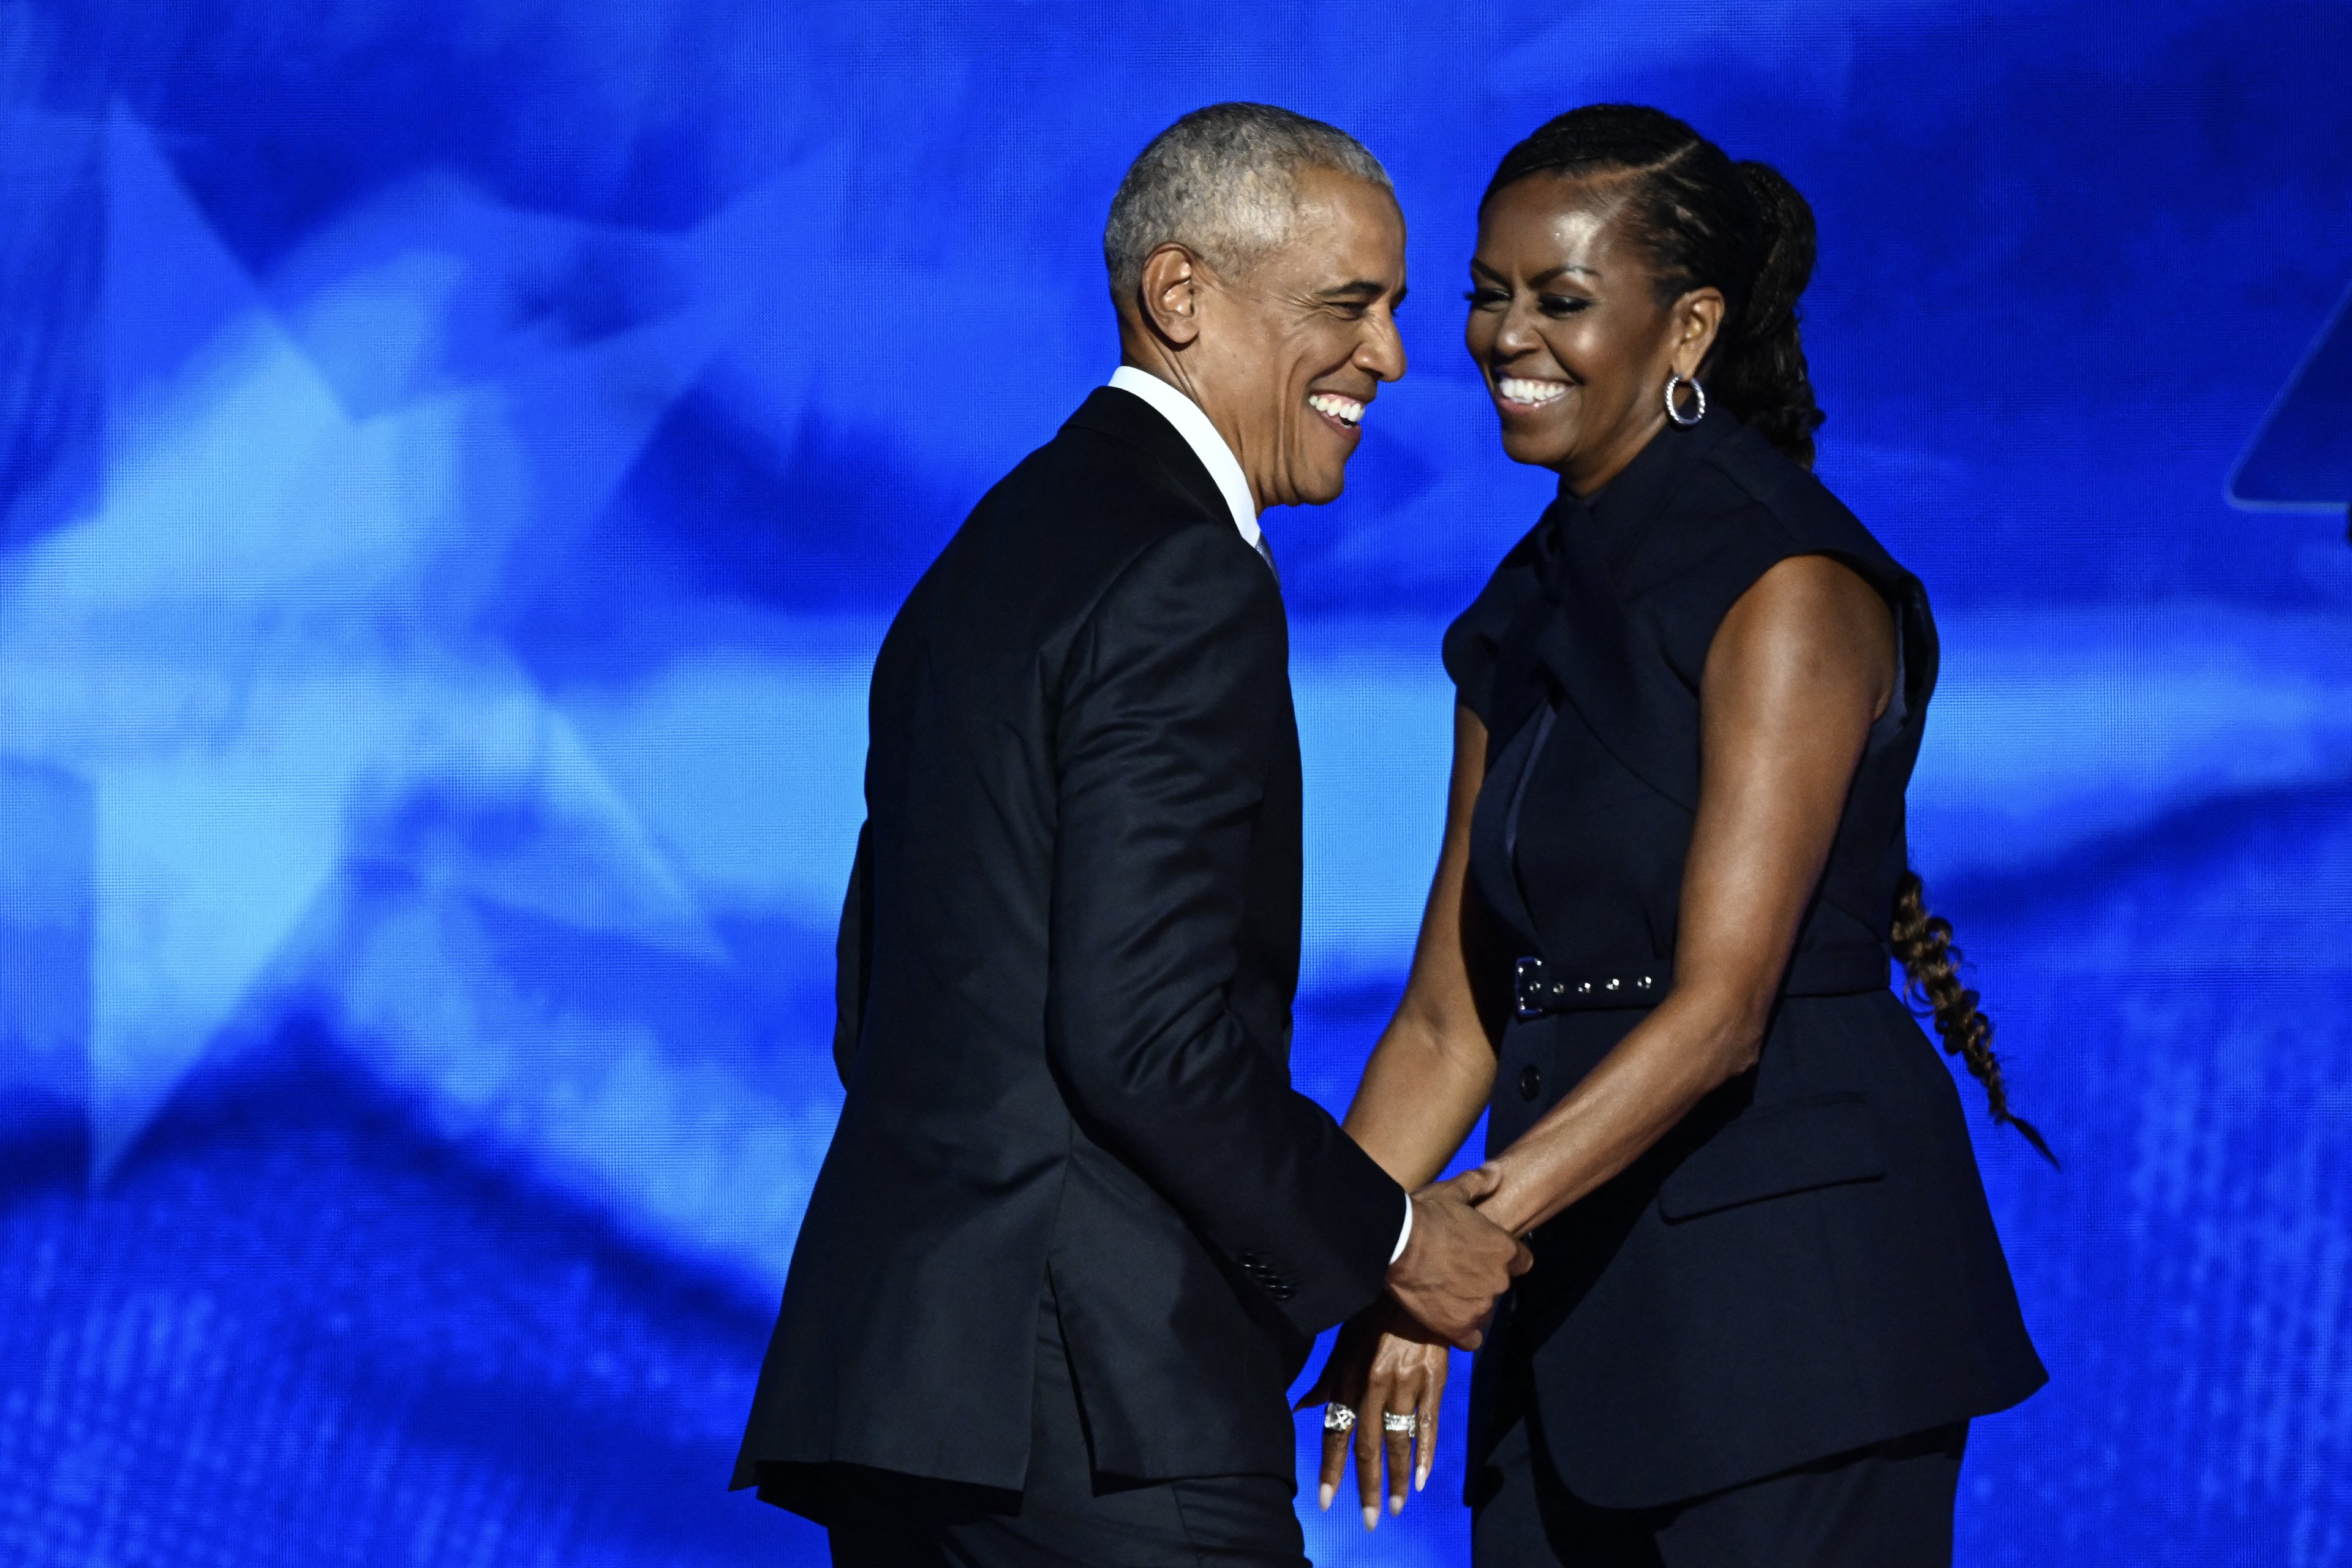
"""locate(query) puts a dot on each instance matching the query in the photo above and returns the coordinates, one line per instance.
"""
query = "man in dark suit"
(1077, 1231)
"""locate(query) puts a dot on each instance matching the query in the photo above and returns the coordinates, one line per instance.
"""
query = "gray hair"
(1222, 182)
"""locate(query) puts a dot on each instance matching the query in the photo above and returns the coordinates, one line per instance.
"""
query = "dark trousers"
(1889, 1505)
(1067, 1516)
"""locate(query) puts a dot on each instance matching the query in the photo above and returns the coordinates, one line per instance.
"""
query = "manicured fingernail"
(1420, 1477)
(1324, 1493)
(1371, 1519)
(1396, 1504)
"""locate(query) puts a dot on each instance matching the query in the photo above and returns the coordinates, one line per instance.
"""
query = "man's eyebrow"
(1361, 289)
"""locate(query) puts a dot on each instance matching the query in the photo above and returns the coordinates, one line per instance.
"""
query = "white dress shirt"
(1201, 434)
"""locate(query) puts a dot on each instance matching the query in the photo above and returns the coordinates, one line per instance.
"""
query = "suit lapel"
(1599, 659)
(1605, 656)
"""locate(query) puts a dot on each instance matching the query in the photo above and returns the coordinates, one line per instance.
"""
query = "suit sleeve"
(853, 958)
(1176, 700)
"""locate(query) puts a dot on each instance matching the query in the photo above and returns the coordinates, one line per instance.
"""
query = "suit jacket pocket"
(1822, 1141)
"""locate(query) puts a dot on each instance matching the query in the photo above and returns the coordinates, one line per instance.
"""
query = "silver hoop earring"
(1675, 414)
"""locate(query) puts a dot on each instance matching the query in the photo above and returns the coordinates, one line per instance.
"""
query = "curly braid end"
(1923, 942)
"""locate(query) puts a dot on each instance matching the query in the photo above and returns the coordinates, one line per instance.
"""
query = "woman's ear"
(1170, 294)
(1694, 322)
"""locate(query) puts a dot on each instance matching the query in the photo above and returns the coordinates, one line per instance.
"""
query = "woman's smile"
(1519, 393)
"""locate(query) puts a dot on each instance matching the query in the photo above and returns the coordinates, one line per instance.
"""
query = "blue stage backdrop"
(457, 458)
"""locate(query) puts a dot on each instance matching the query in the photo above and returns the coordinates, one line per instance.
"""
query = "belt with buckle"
(1537, 989)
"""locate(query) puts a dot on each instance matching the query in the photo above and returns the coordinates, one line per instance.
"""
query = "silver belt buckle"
(1527, 975)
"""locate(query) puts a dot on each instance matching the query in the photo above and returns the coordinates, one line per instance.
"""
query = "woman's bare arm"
(1423, 1092)
(1430, 1074)
(1797, 673)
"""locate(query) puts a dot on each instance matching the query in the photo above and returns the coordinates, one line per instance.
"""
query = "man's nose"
(1383, 350)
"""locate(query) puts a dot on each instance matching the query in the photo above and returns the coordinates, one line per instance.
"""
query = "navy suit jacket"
(1068, 955)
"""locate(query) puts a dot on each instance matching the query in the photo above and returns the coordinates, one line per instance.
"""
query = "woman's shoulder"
(1751, 509)
(1768, 503)
(1741, 509)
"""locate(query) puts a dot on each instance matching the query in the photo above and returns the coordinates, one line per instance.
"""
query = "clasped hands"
(1388, 1363)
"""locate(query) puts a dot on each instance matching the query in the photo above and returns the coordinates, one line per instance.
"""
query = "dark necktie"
(1266, 553)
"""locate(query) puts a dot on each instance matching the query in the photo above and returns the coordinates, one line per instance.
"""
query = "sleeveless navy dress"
(1806, 1264)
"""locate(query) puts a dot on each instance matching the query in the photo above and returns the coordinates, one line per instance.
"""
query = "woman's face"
(1568, 329)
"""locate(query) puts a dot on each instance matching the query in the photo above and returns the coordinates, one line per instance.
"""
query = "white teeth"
(1519, 389)
(1346, 410)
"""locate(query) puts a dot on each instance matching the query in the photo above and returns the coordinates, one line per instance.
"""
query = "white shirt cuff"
(1406, 1234)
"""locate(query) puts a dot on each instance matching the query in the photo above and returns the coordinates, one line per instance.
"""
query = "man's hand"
(1456, 1261)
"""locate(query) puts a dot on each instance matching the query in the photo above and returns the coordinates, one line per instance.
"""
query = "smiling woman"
(1638, 273)
(1767, 1296)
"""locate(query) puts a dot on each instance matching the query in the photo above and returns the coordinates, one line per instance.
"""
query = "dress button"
(1531, 1082)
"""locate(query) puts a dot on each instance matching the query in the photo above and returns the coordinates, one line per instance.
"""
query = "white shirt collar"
(1201, 436)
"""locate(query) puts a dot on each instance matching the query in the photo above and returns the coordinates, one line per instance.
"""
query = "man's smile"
(1343, 411)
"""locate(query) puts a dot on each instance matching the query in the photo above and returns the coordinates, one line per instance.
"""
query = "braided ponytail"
(1761, 371)
(1931, 966)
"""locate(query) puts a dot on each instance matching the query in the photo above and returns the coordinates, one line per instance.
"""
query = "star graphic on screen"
(266, 652)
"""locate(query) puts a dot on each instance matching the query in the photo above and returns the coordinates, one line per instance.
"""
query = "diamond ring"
(1337, 1417)
(1395, 1424)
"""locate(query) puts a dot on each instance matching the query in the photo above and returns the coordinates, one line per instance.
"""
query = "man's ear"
(1171, 293)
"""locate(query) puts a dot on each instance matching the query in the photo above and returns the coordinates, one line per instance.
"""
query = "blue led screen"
(457, 460)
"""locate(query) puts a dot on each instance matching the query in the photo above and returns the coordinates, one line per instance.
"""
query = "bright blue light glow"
(459, 460)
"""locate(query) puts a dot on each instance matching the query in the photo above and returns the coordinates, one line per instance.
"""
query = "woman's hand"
(1384, 1363)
